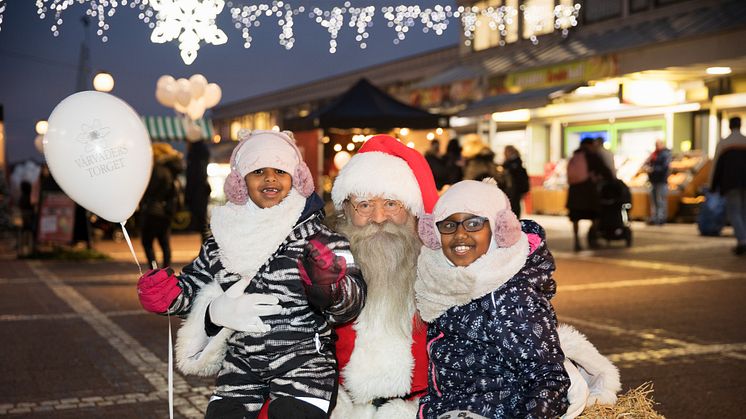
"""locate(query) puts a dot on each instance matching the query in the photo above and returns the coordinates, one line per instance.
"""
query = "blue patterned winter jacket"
(497, 354)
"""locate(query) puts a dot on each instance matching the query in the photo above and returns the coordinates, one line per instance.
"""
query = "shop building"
(543, 74)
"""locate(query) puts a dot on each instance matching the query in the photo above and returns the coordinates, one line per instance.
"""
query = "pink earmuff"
(235, 187)
(428, 232)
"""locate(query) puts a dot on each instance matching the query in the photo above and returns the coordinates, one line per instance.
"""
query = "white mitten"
(241, 312)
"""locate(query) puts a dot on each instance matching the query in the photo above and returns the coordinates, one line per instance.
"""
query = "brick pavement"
(76, 344)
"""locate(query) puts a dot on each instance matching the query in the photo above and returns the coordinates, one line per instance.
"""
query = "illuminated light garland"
(100, 9)
(436, 19)
(361, 18)
(500, 18)
(189, 21)
(2, 9)
(193, 21)
(332, 21)
(246, 17)
(566, 17)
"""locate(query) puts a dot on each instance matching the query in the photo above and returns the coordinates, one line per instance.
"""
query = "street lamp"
(103, 82)
(41, 127)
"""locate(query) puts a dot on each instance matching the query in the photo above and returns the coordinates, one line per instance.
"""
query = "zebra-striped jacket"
(206, 278)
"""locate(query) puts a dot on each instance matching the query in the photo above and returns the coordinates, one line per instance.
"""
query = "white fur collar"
(248, 235)
(440, 285)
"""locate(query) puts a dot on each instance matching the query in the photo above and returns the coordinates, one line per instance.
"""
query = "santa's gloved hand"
(157, 289)
(320, 272)
(242, 312)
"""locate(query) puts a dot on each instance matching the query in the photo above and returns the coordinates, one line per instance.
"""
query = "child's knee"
(290, 407)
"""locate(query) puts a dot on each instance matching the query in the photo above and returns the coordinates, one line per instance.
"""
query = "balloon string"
(129, 243)
(170, 334)
(170, 371)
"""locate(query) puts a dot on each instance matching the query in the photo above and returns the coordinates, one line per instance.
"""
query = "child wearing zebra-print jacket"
(262, 296)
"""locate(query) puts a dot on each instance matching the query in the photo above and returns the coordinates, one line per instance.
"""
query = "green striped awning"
(172, 128)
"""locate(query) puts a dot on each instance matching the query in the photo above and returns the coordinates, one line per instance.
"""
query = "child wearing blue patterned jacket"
(483, 286)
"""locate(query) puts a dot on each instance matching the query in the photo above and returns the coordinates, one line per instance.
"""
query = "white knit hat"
(484, 199)
(265, 149)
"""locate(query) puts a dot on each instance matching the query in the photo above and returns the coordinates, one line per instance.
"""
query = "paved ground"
(76, 344)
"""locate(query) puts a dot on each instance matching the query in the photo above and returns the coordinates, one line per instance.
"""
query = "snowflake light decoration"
(2, 9)
(189, 21)
(469, 19)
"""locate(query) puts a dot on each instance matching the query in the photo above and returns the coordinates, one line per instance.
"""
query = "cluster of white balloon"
(190, 97)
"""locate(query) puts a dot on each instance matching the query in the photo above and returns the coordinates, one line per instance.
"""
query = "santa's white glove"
(241, 312)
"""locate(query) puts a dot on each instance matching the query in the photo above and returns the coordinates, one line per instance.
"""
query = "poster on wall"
(56, 218)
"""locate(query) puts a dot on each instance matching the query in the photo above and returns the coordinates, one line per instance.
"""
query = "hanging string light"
(361, 18)
(193, 21)
(566, 17)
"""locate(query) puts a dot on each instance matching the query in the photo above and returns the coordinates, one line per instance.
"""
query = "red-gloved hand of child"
(157, 289)
(320, 271)
(321, 266)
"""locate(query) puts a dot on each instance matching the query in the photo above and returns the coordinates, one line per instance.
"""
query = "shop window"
(596, 10)
(497, 23)
(538, 18)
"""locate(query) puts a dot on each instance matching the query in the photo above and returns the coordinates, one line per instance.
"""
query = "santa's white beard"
(387, 255)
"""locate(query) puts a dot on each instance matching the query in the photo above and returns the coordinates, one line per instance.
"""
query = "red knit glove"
(320, 271)
(157, 289)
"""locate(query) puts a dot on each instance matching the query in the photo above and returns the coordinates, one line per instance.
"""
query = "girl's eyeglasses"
(471, 225)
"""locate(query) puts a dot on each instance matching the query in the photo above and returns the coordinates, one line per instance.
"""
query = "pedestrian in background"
(454, 162)
(519, 182)
(729, 178)
(197, 191)
(158, 204)
(585, 174)
(606, 155)
(658, 166)
(480, 163)
(436, 163)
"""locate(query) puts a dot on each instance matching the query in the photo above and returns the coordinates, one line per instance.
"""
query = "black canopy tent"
(366, 106)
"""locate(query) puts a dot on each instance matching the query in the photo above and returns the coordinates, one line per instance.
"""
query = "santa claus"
(379, 196)
(382, 356)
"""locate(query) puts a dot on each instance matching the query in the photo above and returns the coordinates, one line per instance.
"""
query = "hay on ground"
(637, 403)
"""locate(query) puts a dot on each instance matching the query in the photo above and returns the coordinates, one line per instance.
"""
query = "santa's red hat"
(385, 167)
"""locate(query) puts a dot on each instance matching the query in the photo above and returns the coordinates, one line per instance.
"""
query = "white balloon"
(38, 143)
(212, 95)
(165, 80)
(166, 95)
(183, 92)
(179, 108)
(198, 84)
(98, 151)
(196, 109)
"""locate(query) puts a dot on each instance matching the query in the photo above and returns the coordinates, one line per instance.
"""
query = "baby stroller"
(613, 222)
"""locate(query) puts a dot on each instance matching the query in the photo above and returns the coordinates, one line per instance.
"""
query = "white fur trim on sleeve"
(600, 374)
(577, 394)
(197, 353)
(375, 173)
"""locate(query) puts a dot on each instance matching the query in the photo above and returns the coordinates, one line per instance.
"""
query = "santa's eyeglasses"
(391, 207)
(471, 224)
